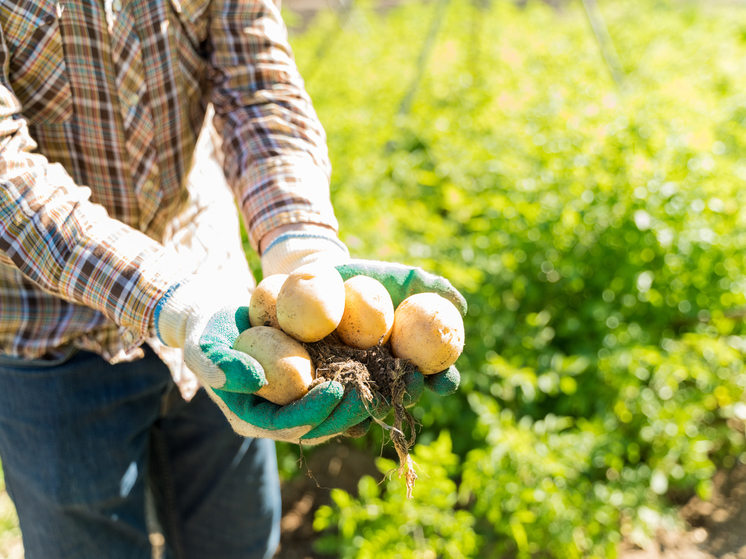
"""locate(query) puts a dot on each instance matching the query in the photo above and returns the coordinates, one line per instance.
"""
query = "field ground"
(715, 529)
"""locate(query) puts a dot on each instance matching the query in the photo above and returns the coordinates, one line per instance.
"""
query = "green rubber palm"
(326, 411)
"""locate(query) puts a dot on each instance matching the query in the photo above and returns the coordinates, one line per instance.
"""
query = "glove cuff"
(297, 248)
(199, 295)
(169, 330)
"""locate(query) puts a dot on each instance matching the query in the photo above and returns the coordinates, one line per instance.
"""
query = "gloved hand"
(295, 248)
(402, 281)
(203, 317)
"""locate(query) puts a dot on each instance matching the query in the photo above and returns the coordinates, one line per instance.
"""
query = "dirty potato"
(263, 304)
(369, 313)
(428, 331)
(311, 302)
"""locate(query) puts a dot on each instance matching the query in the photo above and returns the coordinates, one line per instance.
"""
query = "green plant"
(371, 526)
(8, 519)
(599, 238)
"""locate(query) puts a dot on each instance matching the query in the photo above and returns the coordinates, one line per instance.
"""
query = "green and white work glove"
(204, 317)
(296, 248)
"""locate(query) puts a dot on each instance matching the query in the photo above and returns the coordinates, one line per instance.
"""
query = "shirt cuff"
(285, 190)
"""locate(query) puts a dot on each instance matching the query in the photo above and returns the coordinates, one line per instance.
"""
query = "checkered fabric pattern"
(101, 105)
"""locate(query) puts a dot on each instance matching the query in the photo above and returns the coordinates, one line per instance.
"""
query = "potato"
(428, 331)
(311, 302)
(287, 365)
(263, 304)
(368, 315)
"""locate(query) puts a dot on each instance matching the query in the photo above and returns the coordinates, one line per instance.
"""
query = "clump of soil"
(378, 376)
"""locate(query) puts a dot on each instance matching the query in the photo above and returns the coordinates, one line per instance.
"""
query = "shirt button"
(148, 184)
(133, 99)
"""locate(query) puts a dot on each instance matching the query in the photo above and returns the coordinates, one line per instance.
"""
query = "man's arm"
(65, 244)
(275, 151)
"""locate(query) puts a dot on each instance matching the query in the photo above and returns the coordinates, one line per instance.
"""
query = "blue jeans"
(83, 442)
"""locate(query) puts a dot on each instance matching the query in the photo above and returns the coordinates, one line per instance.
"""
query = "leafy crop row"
(599, 236)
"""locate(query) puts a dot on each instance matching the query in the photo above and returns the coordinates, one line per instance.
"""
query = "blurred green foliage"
(9, 530)
(598, 236)
(423, 529)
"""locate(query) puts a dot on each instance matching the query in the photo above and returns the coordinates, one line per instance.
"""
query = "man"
(107, 242)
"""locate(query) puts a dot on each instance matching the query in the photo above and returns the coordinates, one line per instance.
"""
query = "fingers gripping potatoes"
(287, 365)
(426, 331)
(313, 301)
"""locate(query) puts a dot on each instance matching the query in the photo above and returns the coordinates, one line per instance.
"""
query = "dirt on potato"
(375, 373)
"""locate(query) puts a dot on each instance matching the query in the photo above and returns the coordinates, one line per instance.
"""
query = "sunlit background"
(577, 170)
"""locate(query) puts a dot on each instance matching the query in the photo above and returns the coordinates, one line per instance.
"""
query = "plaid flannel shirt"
(101, 105)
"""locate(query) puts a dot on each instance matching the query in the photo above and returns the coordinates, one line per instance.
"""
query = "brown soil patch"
(714, 529)
(334, 465)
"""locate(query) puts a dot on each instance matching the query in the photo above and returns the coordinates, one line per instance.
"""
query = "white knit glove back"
(296, 248)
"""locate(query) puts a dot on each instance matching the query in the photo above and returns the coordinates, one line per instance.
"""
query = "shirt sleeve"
(65, 244)
(274, 146)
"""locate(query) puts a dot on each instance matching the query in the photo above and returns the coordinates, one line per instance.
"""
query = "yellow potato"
(311, 302)
(287, 365)
(428, 331)
(263, 304)
(369, 313)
